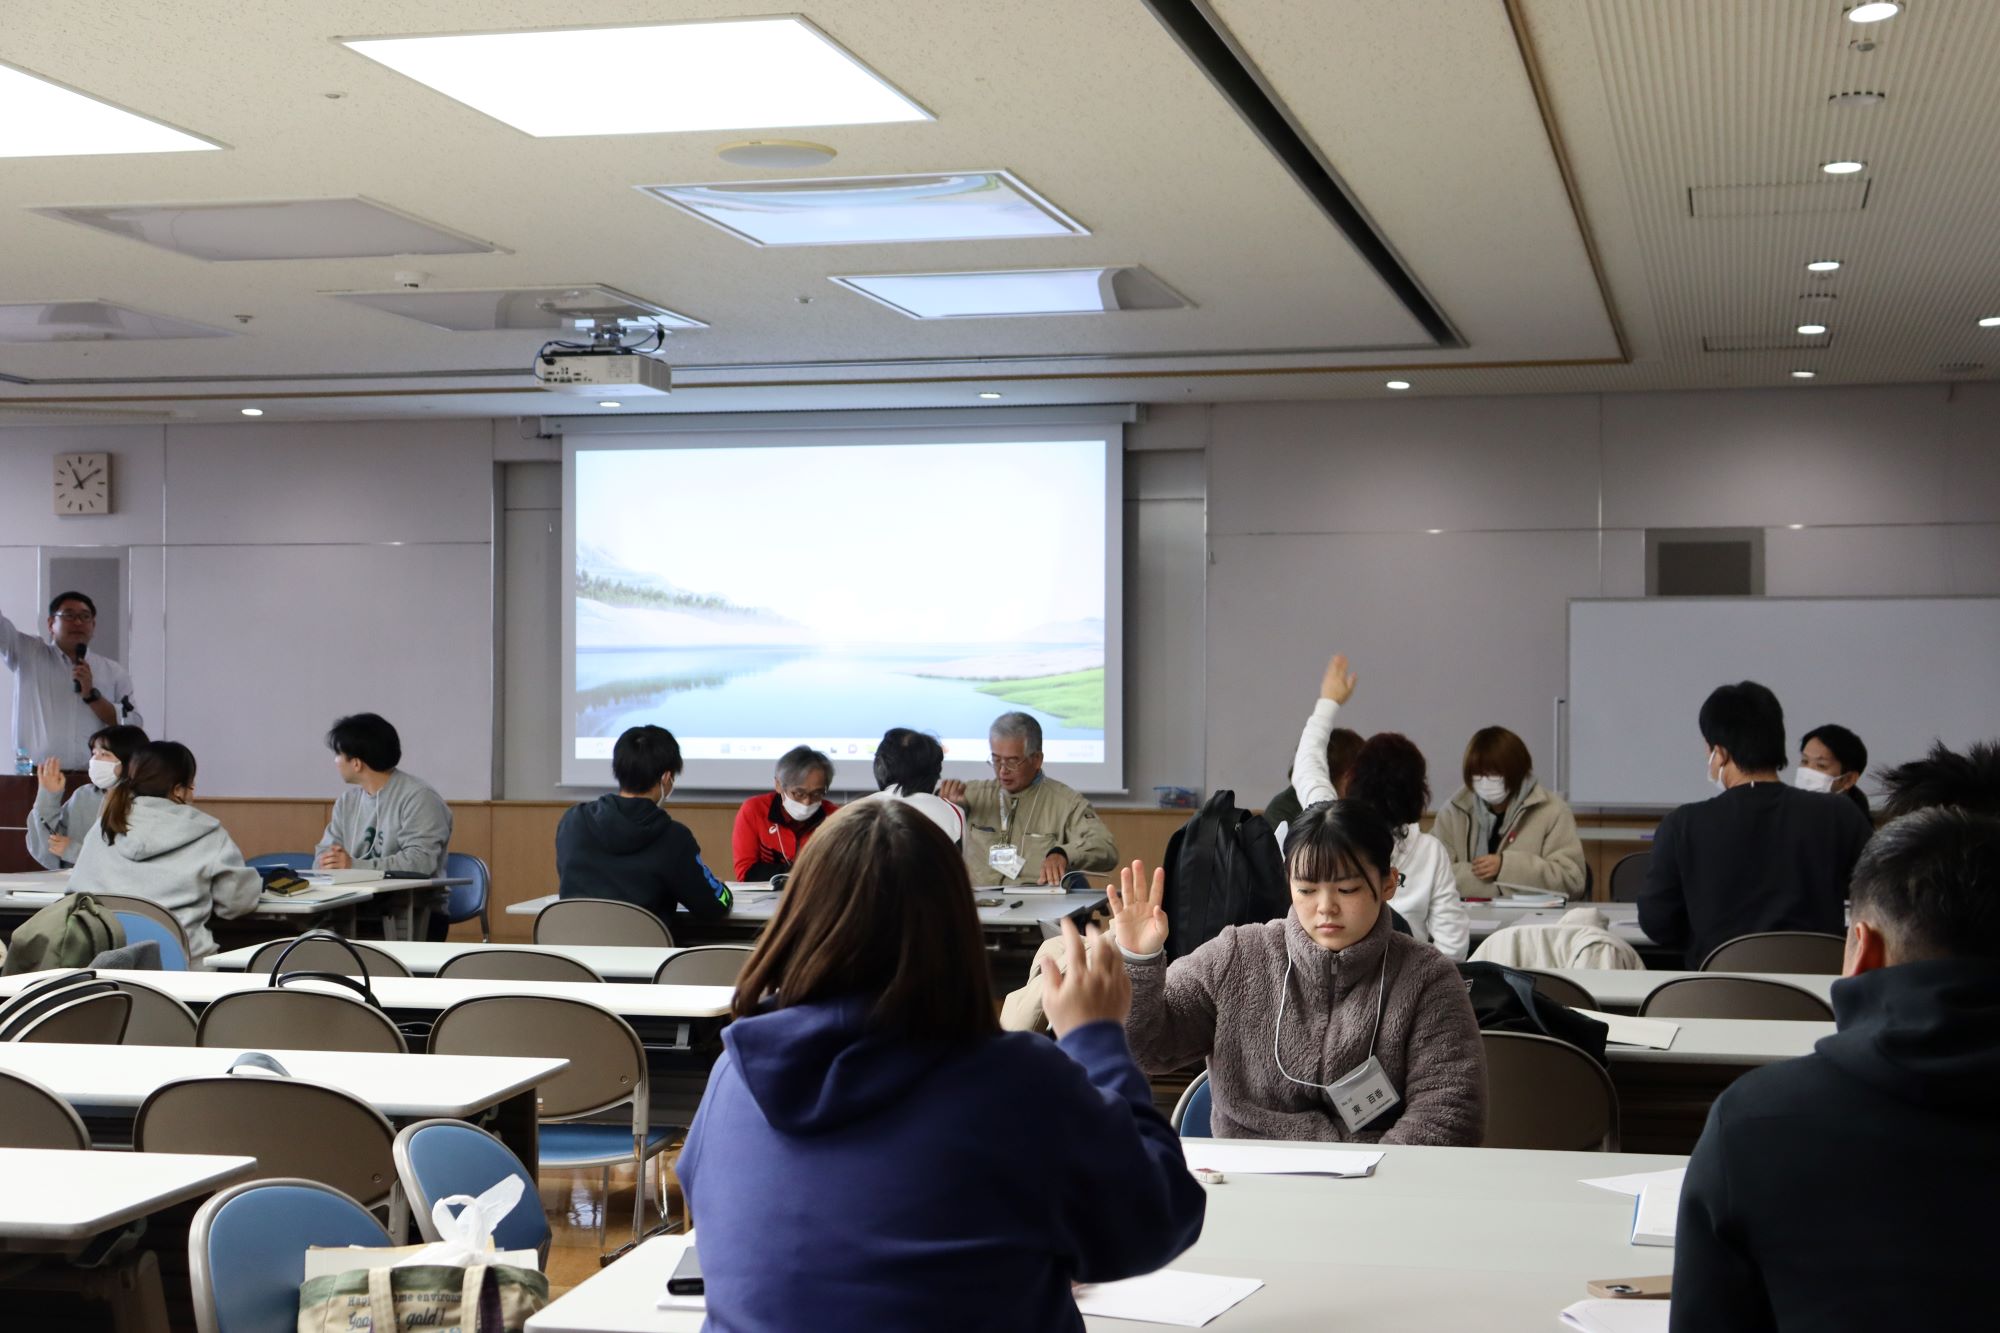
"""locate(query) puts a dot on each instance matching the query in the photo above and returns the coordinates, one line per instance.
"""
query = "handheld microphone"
(77, 685)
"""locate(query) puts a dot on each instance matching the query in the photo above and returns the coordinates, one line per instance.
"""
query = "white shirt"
(934, 808)
(50, 717)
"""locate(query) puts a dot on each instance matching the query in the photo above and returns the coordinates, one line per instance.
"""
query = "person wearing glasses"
(1022, 826)
(63, 694)
(772, 827)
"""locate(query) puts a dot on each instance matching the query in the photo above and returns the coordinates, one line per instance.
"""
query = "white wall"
(1320, 518)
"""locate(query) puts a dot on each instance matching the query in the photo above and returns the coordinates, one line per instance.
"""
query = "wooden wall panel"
(264, 826)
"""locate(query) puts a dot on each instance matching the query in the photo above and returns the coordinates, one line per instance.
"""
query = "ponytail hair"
(155, 769)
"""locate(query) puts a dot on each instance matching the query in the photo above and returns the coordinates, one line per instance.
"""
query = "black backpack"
(1223, 869)
(1504, 999)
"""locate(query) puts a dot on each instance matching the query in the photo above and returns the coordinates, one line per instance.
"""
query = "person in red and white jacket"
(772, 827)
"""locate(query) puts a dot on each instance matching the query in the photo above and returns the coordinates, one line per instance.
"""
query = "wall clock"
(83, 484)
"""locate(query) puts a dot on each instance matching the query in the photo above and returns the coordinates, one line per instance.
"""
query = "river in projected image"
(784, 692)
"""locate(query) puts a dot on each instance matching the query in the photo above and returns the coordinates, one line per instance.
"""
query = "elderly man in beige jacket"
(1050, 827)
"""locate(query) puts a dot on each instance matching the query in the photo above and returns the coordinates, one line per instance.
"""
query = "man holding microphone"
(63, 695)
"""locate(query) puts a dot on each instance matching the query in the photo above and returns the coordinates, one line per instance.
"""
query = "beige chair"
(515, 965)
(1803, 951)
(326, 956)
(1562, 990)
(297, 1020)
(31, 1116)
(1734, 997)
(707, 965)
(1544, 1093)
(96, 1020)
(607, 1069)
(292, 1128)
(600, 921)
(158, 1019)
(1628, 877)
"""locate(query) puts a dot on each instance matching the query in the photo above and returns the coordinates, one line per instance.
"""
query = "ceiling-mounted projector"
(594, 372)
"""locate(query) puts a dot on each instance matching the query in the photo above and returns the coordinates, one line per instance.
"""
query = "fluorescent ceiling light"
(92, 321)
(1823, 266)
(743, 74)
(546, 309)
(1047, 291)
(1812, 330)
(1846, 168)
(1874, 13)
(43, 119)
(285, 229)
(858, 210)
(1803, 374)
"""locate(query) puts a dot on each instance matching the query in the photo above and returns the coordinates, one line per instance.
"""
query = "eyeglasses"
(1009, 763)
(75, 617)
(804, 797)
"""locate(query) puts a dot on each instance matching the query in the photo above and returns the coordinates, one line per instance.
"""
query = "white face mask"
(1811, 779)
(1714, 772)
(798, 810)
(103, 772)
(1490, 789)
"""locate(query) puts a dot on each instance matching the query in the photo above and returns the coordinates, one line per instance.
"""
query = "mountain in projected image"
(619, 607)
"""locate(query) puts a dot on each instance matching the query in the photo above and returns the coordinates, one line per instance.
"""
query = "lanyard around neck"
(1284, 993)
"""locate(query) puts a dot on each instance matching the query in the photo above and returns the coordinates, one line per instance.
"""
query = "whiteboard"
(1900, 672)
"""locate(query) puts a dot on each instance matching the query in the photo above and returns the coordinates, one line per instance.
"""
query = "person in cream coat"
(1503, 830)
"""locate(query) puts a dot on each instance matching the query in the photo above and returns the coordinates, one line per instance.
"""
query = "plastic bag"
(466, 1238)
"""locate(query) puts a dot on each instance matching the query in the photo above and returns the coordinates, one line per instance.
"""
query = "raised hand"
(1138, 917)
(1338, 682)
(49, 773)
(1090, 985)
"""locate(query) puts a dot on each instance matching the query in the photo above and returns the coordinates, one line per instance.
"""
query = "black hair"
(642, 756)
(1746, 720)
(1337, 839)
(55, 603)
(368, 737)
(121, 740)
(1970, 780)
(1841, 743)
(912, 760)
(1931, 882)
(1390, 774)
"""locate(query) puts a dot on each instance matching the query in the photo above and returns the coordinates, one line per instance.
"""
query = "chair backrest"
(298, 1020)
(1190, 1118)
(97, 1020)
(607, 1065)
(465, 901)
(144, 919)
(289, 860)
(158, 1019)
(32, 1116)
(600, 921)
(247, 1250)
(1544, 1093)
(1562, 990)
(1735, 997)
(436, 1159)
(292, 1128)
(1628, 877)
(705, 965)
(516, 965)
(326, 955)
(1779, 951)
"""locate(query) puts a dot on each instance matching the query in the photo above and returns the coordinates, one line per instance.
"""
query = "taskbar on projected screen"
(741, 747)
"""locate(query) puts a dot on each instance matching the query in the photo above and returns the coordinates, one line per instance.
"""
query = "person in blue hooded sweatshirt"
(874, 1153)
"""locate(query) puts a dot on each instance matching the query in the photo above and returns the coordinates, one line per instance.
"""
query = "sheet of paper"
(1632, 1185)
(1654, 1033)
(1250, 1159)
(1618, 1316)
(36, 895)
(1655, 1212)
(1523, 895)
(1170, 1296)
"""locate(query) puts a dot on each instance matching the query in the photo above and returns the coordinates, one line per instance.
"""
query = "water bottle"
(24, 767)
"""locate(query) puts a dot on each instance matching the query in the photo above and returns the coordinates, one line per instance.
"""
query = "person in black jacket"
(626, 847)
(1843, 1191)
(1760, 856)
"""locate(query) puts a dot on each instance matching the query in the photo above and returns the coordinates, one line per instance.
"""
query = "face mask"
(1490, 789)
(1714, 773)
(797, 809)
(103, 772)
(1811, 779)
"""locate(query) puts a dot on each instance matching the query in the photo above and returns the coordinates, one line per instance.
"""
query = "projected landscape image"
(748, 599)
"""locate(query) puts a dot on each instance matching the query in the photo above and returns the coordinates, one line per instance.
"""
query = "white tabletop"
(428, 994)
(1017, 910)
(1625, 990)
(1438, 1238)
(1727, 1041)
(71, 1196)
(613, 962)
(410, 1087)
(1614, 833)
(33, 890)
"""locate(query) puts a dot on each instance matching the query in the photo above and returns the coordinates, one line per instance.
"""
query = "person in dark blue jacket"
(874, 1153)
(627, 847)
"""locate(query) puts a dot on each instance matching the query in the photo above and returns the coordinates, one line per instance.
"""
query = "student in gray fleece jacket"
(1286, 1009)
(150, 842)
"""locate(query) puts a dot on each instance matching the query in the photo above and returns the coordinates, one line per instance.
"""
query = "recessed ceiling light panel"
(738, 74)
(1823, 266)
(863, 210)
(1804, 374)
(1875, 12)
(1812, 330)
(285, 229)
(545, 309)
(92, 321)
(1846, 167)
(1990, 322)
(43, 119)
(1398, 385)
(1048, 291)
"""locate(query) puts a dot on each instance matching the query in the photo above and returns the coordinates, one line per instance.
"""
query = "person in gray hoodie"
(1324, 1025)
(386, 820)
(150, 842)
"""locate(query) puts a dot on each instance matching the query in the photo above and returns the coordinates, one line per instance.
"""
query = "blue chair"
(289, 860)
(247, 1250)
(468, 900)
(436, 1159)
(173, 956)
(1190, 1118)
